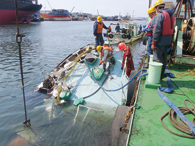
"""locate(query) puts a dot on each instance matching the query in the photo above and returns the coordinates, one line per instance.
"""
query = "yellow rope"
(65, 78)
(190, 72)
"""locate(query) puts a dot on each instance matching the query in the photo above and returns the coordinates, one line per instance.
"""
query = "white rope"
(89, 108)
(85, 116)
(76, 115)
(124, 69)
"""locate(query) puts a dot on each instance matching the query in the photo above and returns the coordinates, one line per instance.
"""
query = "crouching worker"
(129, 61)
(106, 54)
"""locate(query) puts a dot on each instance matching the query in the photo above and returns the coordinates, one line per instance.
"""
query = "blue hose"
(141, 76)
(118, 88)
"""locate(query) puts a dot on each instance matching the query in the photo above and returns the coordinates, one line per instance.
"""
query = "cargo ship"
(26, 8)
(55, 13)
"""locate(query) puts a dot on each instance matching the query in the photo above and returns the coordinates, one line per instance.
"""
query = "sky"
(137, 8)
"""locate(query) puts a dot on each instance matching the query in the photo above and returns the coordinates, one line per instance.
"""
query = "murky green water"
(46, 45)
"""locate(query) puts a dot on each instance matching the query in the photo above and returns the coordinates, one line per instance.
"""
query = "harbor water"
(45, 45)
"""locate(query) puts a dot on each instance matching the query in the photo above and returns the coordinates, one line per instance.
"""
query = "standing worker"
(97, 31)
(149, 29)
(117, 28)
(140, 29)
(129, 61)
(163, 33)
(106, 54)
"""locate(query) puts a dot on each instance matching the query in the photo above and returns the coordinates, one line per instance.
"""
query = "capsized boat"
(80, 79)
(129, 33)
(65, 81)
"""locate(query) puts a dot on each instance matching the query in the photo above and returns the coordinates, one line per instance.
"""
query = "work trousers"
(99, 40)
(160, 55)
(149, 43)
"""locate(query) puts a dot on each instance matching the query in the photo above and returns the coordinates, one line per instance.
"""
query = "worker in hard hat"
(106, 54)
(149, 29)
(97, 31)
(109, 29)
(117, 28)
(128, 58)
(162, 33)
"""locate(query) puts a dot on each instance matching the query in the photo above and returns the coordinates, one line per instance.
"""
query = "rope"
(190, 72)
(137, 52)
(21, 68)
(65, 78)
(185, 125)
(180, 125)
(89, 108)
(123, 73)
(127, 116)
(183, 92)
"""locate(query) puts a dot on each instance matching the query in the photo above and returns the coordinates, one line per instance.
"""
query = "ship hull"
(7, 12)
(50, 16)
(9, 16)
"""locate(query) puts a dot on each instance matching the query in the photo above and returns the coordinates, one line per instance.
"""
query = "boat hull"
(7, 12)
(9, 16)
(55, 16)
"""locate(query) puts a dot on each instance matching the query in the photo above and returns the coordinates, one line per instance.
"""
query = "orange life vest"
(99, 27)
(106, 48)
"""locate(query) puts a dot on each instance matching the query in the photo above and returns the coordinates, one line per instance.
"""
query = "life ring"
(111, 35)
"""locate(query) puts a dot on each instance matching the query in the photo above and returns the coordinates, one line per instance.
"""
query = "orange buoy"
(122, 46)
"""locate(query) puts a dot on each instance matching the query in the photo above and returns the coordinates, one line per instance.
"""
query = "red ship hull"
(9, 16)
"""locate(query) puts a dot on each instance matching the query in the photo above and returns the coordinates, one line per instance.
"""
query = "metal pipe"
(188, 9)
(176, 6)
(192, 15)
(185, 11)
(180, 8)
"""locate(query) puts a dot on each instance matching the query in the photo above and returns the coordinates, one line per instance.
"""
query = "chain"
(19, 40)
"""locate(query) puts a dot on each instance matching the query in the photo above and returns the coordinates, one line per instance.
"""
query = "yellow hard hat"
(99, 18)
(158, 2)
(99, 48)
(151, 10)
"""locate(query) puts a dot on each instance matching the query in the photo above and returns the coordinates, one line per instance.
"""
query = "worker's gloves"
(100, 62)
(95, 37)
(153, 45)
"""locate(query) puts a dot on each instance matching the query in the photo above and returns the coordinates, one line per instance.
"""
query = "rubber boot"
(104, 66)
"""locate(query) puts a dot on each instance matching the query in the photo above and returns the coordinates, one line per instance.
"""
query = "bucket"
(151, 58)
(154, 73)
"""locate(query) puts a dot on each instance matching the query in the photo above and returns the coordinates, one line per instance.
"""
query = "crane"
(72, 9)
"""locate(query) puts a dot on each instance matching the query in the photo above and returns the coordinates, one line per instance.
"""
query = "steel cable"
(177, 123)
